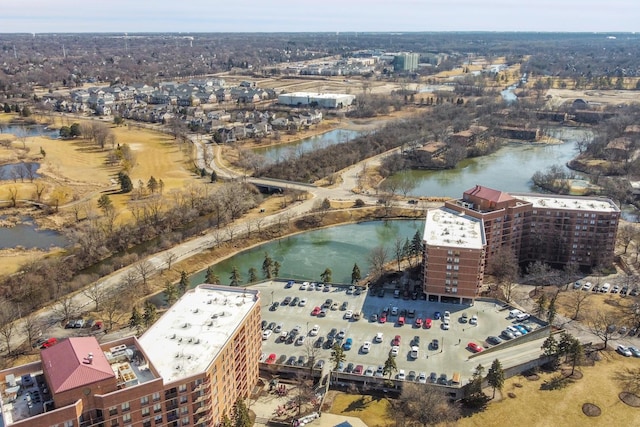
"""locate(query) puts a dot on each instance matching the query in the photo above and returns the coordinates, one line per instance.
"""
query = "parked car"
(464, 318)
(422, 377)
(332, 333)
(323, 312)
(303, 286)
(395, 350)
(291, 361)
(401, 375)
(347, 344)
(274, 306)
(396, 340)
(278, 328)
(378, 337)
(433, 377)
(369, 371)
(493, 340)
(373, 318)
(635, 351)
(335, 306)
(577, 285)
(447, 315)
(522, 317)
(271, 358)
(586, 286)
(301, 361)
(266, 334)
(515, 331)
(435, 344)
(344, 306)
(366, 346)
(383, 318)
(49, 343)
(473, 320)
(394, 311)
(303, 302)
(411, 313)
(401, 320)
(348, 314)
(624, 350)
(443, 379)
(358, 370)
(289, 284)
(414, 353)
(615, 289)
(286, 301)
(437, 315)
(411, 376)
(300, 340)
(380, 371)
(476, 348)
(319, 342)
(349, 368)
(427, 323)
(418, 322)
(340, 335)
(507, 334)
(314, 331)
(271, 326)
(522, 329)
(445, 324)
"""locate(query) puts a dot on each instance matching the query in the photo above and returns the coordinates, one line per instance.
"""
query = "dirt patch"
(511, 395)
(533, 377)
(591, 410)
(575, 376)
(630, 399)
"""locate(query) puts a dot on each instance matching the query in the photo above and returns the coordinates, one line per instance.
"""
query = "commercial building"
(406, 62)
(557, 230)
(188, 369)
(311, 99)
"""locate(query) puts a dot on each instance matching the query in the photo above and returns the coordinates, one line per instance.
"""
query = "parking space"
(451, 354)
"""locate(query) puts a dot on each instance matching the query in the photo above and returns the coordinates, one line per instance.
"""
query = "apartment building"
(188, 369)
(557, 230)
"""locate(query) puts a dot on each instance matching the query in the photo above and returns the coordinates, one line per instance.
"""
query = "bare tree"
(424, 406)
(144, 269)
(8, 316)
(13, 196)
(31, 327)
(65, 308)
(503, 265)
(576, 301)
(377, 260)
(169, 258)
(398, 251)
(602, 325)
(96, 293)
(630, 379)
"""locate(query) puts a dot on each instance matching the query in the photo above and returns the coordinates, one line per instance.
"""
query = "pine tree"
(183, 285)
(150, 314)
(152, 185)
(241, 414)
(267, 266)
(170, 293)
(276, 269)
(136, 320)
(355, 274)
(326, 275)
(495, 376)
(253, 275)
(235, 277)
(211, 277)
(390, 366)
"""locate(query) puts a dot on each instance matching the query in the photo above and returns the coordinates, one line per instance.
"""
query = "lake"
(27, 235)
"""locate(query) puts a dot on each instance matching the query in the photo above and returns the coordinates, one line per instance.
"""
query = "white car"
(394, 311)
(314, 331)
(522, 317)
(624, 350)
(378, 337)
(366, 347)
(394, 351)
(303, 287)
(401, 375)
(302, 302)
(266, 334)
(515, 331)
(446, 316)
(473, 320)
(300, 340)
(369, 372)
(414, 352)
(445, 324)
(422, 377)
(586, 286)
(348, 314)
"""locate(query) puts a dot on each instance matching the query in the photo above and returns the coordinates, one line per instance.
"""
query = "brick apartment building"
(461, 237)
(188, 369)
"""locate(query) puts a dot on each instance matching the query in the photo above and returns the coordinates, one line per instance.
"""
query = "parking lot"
(451, 355)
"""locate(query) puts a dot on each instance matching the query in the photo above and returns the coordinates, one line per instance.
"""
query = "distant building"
(188, 369)
(406, 62)
(461, 237)
(321, 100)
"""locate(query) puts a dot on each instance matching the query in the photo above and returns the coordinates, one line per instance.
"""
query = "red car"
(474, 347)
(358, 370)
(50, 342)
(427, 323)
(401, 320)
(418, 322)
(396, 340)
(383, 318)
(271, 358)
(316, 311)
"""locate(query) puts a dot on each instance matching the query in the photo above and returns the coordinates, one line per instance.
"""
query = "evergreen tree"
(75, 130)
(241, 414)
(550, 350)
(337, 355)
(170, 293)
(276, 269)
(326, 275)
(416, 245)
(211, 277)
(184, 284)
(473, 395)
(214, 176)
(136, 320)
(150, 314)
(541, 304)
(253, 275)
(355, 274)
(551, 309)
(226, 422)
(267, 266)
(390, 366)
(235, 277)
(152, 185)
(125, 182)
(105, 204)
(495, 376)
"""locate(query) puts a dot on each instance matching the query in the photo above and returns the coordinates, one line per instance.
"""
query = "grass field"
(530, 406)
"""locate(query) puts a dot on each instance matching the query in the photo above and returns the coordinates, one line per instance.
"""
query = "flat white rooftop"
(446, 227)
(188, 337)
(542, 201)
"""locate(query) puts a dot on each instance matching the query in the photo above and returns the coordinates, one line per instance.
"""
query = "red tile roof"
(68, 365)
(489, 194)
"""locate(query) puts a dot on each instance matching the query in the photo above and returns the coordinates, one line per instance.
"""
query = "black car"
(350, 367)
(403, 313)
(416, 340)
(302, 361)
(271, 326)
(435, 344)
(433, 377)
(411, 314)
(291, 361)
(329, 343)
(319, 342)
(294, 301)
(264, 324)
(443, 379)
(286, 301)
(493, 340)
(344, 306)
(332, 333)
(274, 306)
(358, 291)
(381, 293)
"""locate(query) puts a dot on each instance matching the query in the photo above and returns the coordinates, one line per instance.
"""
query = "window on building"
(449, 267)
(156, 397)
(157, 407)
(144, 400)
(68, 423)
(145, 412)
(183, 399)
(456, 267)
(125, 406)
(158, 419)
(182, 388)
(126, 418)
(146, 423)
(114, 423)
(185, 421)
(449, 252)
(113, 410)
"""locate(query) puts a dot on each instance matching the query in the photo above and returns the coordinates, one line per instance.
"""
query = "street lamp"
(271, 297)
(442, 348)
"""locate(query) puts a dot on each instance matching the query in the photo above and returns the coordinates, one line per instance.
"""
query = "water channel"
(508, 169)
(27, 235)
(30, 130)
(25, 171)
(281, 152)
(307, 255)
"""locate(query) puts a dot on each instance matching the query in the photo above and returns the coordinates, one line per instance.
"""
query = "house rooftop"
(188, 337)
(446, 227)
(591, 204)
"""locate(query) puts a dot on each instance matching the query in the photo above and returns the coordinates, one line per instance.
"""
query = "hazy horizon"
(281, 16)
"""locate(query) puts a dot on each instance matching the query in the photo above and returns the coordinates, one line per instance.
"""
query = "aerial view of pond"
(307, 255)
(27, 235)
(284, 151)
(30, 130)
(25, 171)
(508, 169)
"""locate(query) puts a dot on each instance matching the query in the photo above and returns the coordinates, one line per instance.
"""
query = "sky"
(81, 16)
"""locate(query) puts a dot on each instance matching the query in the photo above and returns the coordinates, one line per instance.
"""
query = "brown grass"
(371, 410)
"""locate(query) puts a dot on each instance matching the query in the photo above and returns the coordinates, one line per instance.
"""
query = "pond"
(306, 255)
(30, 130)
(282, 152)
(508, 169)
(25, 171)
(27, 235)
